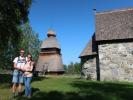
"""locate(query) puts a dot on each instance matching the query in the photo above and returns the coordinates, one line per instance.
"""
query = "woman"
(28, 75)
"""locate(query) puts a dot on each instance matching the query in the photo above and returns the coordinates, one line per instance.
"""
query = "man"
(19, 62)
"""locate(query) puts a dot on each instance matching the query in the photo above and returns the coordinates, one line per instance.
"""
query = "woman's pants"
(27, 81)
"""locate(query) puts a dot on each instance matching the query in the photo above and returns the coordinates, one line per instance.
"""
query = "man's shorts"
(17, 76)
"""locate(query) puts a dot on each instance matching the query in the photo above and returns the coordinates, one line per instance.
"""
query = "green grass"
(70, 88)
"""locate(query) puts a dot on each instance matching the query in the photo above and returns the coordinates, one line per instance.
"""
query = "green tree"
(77, 67)
(65, 67)
(12, 14)
(73, 68)
(30, 41)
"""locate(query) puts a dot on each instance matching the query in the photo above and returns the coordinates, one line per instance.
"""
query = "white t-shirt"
(20, 61)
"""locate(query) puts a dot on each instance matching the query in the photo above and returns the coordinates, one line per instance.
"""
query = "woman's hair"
(30, 55)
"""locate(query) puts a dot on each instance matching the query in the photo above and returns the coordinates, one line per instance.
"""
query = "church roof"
(90, 49)
(114, 25)
(111, 25)
(51, 41)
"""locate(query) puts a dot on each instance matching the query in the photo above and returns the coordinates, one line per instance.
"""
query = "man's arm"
(15, 63)
(15, 66)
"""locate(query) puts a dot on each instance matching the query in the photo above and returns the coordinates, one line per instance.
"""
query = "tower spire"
(51, 32)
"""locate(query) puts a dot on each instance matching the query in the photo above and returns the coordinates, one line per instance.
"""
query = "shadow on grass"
(5, 80)
(56, 95)
(106, 90)
(90, 91)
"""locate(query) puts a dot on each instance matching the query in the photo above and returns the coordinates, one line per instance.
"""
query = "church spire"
(51, 33)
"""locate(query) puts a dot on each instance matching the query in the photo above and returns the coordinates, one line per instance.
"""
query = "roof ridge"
(114, 10)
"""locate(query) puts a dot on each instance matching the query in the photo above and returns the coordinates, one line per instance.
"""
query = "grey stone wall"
(89, 68)
(116, 61)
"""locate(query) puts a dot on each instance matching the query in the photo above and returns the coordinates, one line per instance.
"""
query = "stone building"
(50, 60)
(109, 54)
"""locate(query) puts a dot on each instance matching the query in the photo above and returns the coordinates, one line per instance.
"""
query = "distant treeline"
(73, 68)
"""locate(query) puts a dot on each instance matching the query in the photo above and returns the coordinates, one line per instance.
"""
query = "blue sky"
(72, 20)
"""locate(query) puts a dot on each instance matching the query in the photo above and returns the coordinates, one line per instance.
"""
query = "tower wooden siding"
(50, 58)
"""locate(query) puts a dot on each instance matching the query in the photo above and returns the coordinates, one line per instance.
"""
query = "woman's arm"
(30, 67)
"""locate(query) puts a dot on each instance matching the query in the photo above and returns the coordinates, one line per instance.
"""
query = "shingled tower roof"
(51, 41)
